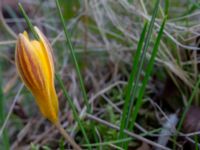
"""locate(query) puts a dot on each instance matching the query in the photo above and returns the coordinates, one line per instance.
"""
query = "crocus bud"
(34, 62)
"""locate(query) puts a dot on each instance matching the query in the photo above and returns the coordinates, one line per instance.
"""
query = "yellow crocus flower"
(35, 67)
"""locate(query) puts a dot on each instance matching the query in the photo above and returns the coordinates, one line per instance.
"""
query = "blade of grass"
(195, 90)
(196, 142)
(166, 9)
(72, 52)
(5, 138)
(75, 114)
(147, 75)
(131, 96)
(141, 61)
(129, 88)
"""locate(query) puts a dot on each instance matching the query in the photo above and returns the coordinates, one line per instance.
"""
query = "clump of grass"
(130, 113)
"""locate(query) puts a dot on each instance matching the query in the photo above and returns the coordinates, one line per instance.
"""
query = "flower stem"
(67, 137)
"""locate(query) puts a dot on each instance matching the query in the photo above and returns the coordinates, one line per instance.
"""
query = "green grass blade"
(138, 72)
(75, 114)
(196, 142)
(147, 75)
(141, 62)
(194, 92)
(5, 139)
(68, 43)
(129, 88)
(166, 9)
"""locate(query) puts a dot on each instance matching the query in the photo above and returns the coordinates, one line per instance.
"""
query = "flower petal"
(34, 61)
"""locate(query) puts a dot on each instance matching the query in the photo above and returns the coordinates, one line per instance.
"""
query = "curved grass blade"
(75, 114)
(69, 44)
(147, 75)
(129, 88)
(131, 96)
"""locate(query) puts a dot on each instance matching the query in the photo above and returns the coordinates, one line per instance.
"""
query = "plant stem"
(67, 137)
(28, 21)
